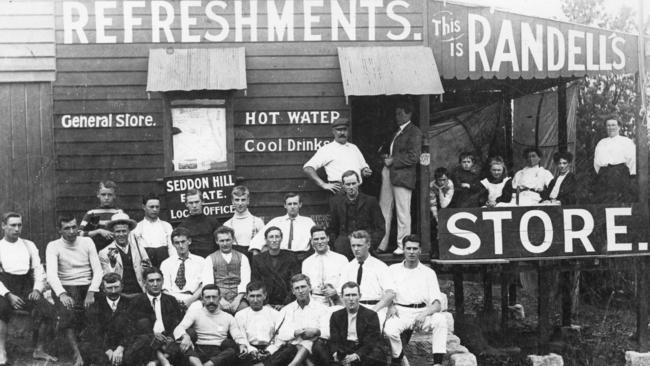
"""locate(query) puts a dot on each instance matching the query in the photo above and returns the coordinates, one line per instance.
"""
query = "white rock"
(463, 359)
(637, 359)
(547, 360)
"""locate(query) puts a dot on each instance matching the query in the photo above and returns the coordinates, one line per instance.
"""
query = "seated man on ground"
(212, 327)
(303, 323)
(182, 271)
(417, 304)
(355, 335)
(153, 317)
(323, 267)
(258, 322)
(125, 256)
(22, 280)
(105, 337)
(229, 270)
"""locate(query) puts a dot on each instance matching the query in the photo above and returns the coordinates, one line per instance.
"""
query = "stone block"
(462, 359)
(546, 360)
(454, 346)
(637, 359)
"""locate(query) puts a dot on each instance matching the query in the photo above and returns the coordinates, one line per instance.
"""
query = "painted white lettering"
(532, 45)
(279, 25)
(225, 28)
(589, 50)
(241, 20)
(554, 46)
(602, 52)
(574, 50)
(497, 218)
(129, 20)
(70, 26)
(475, 47)
(372, 5)
(506, 38)
(311, 19)
(620, 64)
(406, 25)
(548, 231)
(473, 239)
(338, 17)
(101, 21)
(187, 21)
(158, 24)
(583, 234)
(612, 229)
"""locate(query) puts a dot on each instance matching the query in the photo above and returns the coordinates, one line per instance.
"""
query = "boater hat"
(121, 218)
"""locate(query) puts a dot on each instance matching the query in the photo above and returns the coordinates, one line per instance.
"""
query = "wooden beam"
(562, 133)
(423, 195)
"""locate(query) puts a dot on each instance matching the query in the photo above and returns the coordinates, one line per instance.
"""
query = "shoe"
(398, 251)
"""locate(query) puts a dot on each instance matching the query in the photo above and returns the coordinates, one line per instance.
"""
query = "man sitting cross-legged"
(212, 328)
(105, 337)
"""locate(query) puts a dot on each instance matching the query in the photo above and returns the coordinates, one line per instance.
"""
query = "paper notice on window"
(199, 138)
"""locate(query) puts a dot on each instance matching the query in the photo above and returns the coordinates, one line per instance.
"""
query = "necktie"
(290, 233)
(360, 273)
(180, 275)
(153, 303)
(321, 269)
(113, 306)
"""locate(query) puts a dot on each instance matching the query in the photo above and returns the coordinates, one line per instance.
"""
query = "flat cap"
(341, 122)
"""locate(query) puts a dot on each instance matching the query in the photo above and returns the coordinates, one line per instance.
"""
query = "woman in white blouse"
(531, 181)
(615, 163)
(497, 187)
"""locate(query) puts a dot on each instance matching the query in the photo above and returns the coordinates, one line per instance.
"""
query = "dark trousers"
(375, 358)
(93, 353)
(75, 318)
(283, 356)
(21, 286)
(157, 255)
(223, 355)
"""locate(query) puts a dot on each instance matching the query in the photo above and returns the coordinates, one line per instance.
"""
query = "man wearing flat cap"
(336, 157)
(125, 256)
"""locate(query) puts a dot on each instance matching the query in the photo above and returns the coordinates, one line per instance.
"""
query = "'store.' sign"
(215, 188)
(540, 232)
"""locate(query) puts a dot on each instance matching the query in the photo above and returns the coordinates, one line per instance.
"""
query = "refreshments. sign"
(216, 189)
(540, 232)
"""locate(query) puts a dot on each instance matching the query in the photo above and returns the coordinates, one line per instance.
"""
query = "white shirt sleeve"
(245, 274)
(207, 273)
(52, 261)
(188, 321)
(317, 161)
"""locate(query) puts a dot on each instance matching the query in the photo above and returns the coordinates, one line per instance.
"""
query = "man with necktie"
(182, 271)
(105, 338)
(398, 176)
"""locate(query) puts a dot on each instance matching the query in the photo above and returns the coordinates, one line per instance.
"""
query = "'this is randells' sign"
(540, 232)
(216, 189)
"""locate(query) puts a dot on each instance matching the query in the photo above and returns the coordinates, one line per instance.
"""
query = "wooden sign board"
(541, 232)
(216, 190)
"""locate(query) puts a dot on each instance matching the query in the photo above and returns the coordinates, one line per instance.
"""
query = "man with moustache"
(295, 229)
(355, 335)
(275, 268)
(229, 270)
(153, 316)
(105, 337)
(182, 272)
(245, 224)
(125, 256)
(615, 165)
(75, 274)
(417, 302)
(258, 322)
(336, 157)
(303, 323)
(200, 226)
(323, 268)
(153, 233)
(22, 280)
(212, 327)
(354, 211)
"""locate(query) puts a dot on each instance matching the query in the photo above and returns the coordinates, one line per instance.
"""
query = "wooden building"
(110, 90)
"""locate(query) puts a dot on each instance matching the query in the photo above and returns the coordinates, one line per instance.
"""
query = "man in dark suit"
(360, 345)
(153, 317)
(105, 338)
(398, 176)
(274, 268)
(351, 212)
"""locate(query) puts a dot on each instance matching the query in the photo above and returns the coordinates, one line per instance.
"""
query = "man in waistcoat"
(229, 270)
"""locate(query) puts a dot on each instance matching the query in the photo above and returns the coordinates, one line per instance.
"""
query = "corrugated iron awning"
(196, 69)
(389, 70)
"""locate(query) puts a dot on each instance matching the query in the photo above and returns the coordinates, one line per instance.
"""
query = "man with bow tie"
(105, 338)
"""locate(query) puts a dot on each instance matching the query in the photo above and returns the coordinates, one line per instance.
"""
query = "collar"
(402, 127)
(150, 221)
(109, 301)
(244, 215)
(119, 247)
(491, 179)
(151, 297)
(286, 217)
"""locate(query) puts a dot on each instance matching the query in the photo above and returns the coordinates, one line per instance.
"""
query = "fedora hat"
(121, 218)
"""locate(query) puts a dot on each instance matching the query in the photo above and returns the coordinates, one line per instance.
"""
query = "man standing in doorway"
(398, 176)
(336, 157)
(200, 226)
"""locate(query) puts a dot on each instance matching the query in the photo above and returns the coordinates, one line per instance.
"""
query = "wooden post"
(566, 280)
(543, 296)
(423, 200)
(505, 279)
(562, 133)
(459, 295)
(642, 175)
(487, 289)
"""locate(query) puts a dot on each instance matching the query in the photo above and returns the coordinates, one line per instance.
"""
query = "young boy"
(94, 221)
(467, 184)
(246, 225)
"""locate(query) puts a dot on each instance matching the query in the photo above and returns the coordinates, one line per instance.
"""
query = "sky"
(552, 8)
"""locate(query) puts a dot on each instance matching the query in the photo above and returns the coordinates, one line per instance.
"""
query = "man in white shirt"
(229, 270)
(615, 164)
(323, 268)
(303, 322)
(417, 302)
(336, 157)
(212, 327)
(371, 274)
(22, 280)
(258, 322)
(295, 229)
(182, 271)
(75, 274)
(153, 233)
(246, 225)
